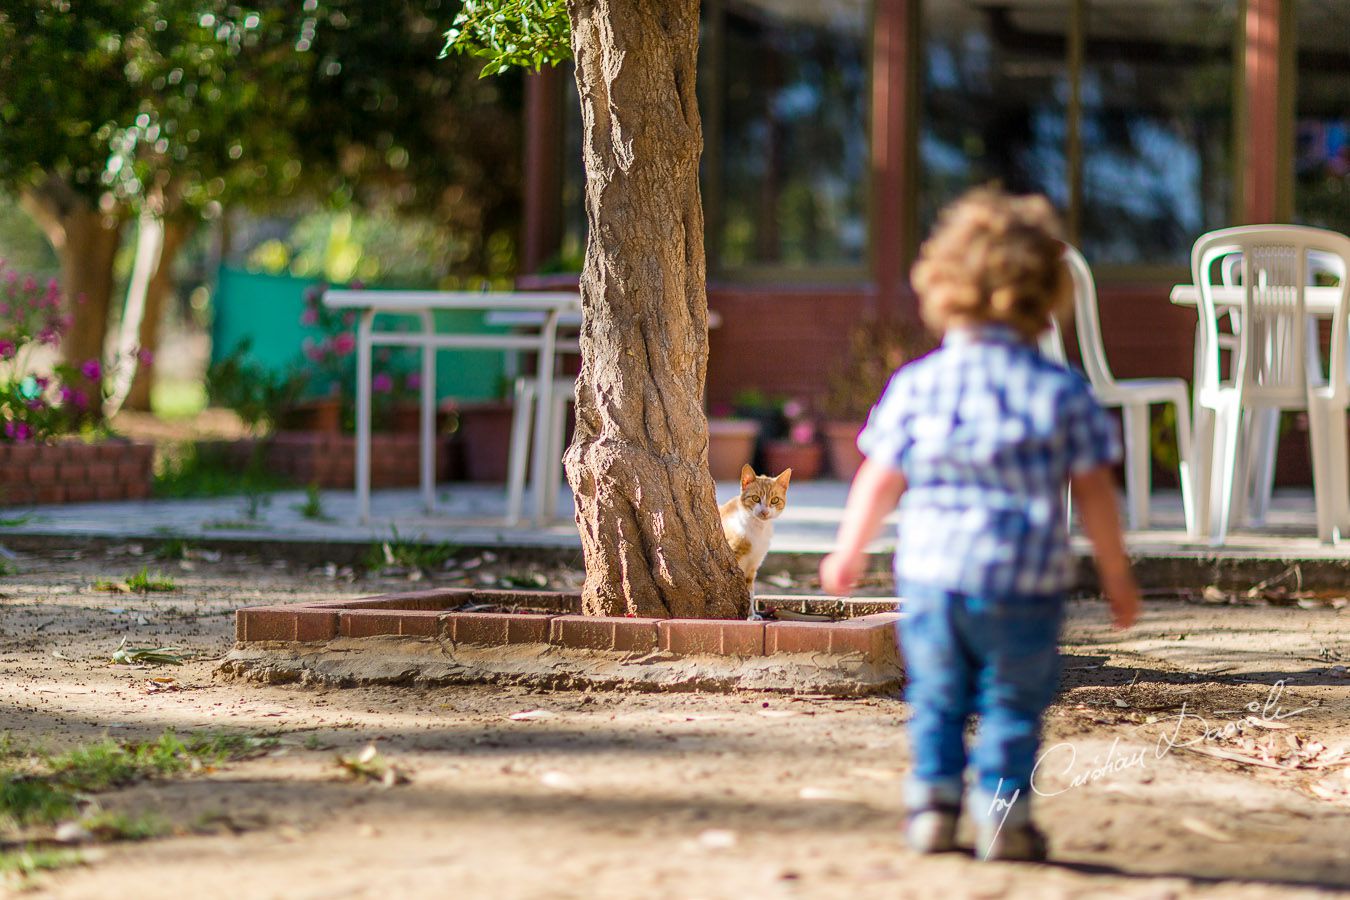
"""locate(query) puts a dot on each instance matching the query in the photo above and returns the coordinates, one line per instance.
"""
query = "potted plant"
(800, 449)
(876, 348)
(263, 399)
(483, 436)
(55, 445)
(731, 442)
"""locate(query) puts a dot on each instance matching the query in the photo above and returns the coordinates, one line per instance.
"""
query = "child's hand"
(840, 571)
(1123, 595)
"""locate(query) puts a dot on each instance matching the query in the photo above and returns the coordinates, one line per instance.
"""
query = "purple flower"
(18, 431)
(144, 356)
(793, 409)
(80, 400)
(382, 383)
(309, 317)
(6, 349)
(343, 344)
(413, 382)
(91, 369)
(49, 336)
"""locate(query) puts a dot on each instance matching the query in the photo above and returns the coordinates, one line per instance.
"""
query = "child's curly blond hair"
(993, 257)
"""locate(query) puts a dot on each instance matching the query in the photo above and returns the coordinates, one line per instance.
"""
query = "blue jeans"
(998, 657)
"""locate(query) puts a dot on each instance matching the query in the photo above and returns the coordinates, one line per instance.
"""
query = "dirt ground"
(606, 795)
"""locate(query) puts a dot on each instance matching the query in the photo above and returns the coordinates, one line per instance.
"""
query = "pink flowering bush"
(330, 360)
(36, 407)
(325, 369)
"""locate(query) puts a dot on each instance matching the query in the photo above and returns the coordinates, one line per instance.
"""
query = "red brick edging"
(329, 460)
(428, 614)
(75, 472)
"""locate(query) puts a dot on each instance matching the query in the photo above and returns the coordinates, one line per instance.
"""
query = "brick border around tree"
(75, 472)
(430, 614)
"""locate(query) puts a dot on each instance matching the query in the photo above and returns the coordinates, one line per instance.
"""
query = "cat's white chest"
(757, 533)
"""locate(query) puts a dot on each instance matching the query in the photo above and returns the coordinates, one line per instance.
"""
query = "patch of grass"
(188, 472)
(312, 508)
(43, 790)
(15, 521)
(255, 501)
(116, 826)
(33, 800)
(29, 861)
(398, 553)
(7, 568)
(108, 764)
(143, 582)
(175, 548)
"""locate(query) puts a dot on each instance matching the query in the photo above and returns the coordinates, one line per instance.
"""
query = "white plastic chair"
(1135, 397)
(1276, 364)
(1262, 433)
(523, 417)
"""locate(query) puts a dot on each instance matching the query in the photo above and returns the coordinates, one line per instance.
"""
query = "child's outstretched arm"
(1094, 493)
(875, 491)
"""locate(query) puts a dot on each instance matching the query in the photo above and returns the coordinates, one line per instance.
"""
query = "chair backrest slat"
(1087, 322)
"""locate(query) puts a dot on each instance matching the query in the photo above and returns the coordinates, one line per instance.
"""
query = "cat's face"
(764, 497)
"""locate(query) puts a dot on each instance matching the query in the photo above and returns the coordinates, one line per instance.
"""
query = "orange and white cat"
(747, 520)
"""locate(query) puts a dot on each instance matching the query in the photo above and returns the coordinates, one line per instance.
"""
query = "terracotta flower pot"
(406, 418)
(485, 440)
(805, 460)
(731, 444)
(323, 415)
(841, 440)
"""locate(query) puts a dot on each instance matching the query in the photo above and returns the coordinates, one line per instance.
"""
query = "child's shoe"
(1022, 843)
(932, 830)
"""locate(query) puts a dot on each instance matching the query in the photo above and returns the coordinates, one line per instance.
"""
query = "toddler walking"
(980, 437)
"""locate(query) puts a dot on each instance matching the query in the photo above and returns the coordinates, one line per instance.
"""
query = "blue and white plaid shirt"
(986, 432)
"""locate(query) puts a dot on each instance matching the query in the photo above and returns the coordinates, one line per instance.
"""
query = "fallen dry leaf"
(1204, 829)
(370, 765)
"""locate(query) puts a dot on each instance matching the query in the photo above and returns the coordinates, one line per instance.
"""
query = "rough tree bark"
(646, 506)
(86, 241)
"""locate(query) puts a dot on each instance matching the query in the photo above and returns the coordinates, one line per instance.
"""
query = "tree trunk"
(157, 293)
(646, 506)
(86, 242)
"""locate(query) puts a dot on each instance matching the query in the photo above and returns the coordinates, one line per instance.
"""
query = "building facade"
(835, 129)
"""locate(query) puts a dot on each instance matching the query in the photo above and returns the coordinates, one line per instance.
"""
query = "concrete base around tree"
(536, 638)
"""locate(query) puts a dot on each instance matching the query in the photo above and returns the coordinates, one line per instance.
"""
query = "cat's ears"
(748, 475)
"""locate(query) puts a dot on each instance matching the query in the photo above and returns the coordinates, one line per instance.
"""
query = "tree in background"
(646, 505)
(175, 111)
(157, 109)
(63, 93)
